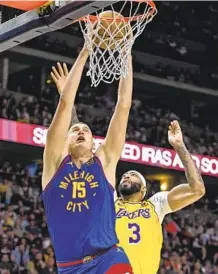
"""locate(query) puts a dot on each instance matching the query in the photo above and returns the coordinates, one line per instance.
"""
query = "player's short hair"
(75, 119)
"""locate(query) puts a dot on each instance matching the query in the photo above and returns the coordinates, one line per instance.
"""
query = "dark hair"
(74, 119)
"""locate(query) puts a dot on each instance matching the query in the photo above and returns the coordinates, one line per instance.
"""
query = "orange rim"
(24, 5)
(94, 18)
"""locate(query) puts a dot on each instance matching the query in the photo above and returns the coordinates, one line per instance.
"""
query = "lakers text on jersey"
(139, 231)
(140, 234)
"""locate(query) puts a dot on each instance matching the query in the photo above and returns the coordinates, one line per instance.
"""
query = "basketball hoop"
(109, 39)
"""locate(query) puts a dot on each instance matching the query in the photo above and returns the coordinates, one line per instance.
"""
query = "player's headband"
(139, 175)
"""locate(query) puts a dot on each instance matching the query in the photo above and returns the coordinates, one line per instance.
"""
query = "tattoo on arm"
(192, 173)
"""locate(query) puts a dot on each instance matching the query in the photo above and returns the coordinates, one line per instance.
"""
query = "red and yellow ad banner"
(35, 135)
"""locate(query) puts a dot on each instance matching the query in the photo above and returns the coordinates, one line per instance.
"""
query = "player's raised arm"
(60, 124)
(58, 129)
(184, 194)
(59, 76)
(57, 132)
(116, 134)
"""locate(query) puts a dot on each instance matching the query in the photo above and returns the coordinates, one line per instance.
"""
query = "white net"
(109, 37)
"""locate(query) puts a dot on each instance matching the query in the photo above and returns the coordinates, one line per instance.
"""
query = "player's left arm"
(184, 194)
(110, 151)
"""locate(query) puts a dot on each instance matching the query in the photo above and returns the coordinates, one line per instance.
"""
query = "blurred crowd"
(28, 110)
(190, 242)
(191, 21)
(190, 236)
(147, 124)
(25, 245)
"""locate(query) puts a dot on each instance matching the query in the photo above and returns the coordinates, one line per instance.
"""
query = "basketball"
(111, 31)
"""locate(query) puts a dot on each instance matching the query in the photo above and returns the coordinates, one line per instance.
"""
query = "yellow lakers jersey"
(139, 231)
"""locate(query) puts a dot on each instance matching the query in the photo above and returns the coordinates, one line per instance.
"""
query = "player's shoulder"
(159, 197)
(118, 201)
(51, 171)
(160, 203)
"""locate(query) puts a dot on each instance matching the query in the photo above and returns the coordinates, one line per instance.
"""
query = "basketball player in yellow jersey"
(139, 221)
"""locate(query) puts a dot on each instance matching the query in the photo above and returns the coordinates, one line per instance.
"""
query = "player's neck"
(82, 159)
(132, 198)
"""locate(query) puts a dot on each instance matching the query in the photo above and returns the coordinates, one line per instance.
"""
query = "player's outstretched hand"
(59, 76)
(175, 136)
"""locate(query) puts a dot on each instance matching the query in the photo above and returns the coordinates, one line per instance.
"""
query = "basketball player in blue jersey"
(78, 186)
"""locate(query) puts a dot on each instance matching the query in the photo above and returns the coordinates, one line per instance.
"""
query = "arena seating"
(147, 124)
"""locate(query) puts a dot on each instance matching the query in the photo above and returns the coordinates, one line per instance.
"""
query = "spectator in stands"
(4, 186)
(6, 265)
(50, 267)
(39, 263)
(20, 255)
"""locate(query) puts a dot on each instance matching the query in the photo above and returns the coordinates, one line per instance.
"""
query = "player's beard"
(126, 191)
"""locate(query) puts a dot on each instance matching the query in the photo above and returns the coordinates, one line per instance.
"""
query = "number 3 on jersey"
(135, 229)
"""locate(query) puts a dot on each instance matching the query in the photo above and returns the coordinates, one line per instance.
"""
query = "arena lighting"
(161, 177)
(163, 186)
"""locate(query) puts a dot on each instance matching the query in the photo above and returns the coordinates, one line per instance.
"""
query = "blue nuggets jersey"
(80, 211)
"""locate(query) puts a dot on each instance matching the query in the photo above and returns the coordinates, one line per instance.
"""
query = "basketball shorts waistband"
(84, 260)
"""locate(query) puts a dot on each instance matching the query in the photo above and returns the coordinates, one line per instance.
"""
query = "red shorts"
(120, 269)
